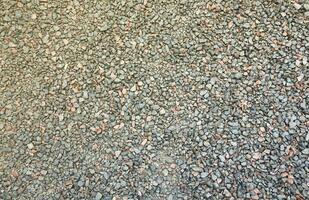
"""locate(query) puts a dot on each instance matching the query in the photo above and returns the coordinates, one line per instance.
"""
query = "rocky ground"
(181, 99)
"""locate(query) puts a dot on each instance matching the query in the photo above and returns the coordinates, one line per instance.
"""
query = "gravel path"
(181, 99)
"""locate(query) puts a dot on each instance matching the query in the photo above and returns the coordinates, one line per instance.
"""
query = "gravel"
(154, 99)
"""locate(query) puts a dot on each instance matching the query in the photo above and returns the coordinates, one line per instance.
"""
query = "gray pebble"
(30, 146)
(98, 196)
(297, 6)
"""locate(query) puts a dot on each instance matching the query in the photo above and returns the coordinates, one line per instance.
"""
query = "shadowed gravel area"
(154, 99)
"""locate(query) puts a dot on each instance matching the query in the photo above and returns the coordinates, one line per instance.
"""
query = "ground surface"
(154, 99)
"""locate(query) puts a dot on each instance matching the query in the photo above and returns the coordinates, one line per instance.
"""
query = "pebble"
(165, 172)
(140, 83)
(238, 75)
(98, 196)
(1, 125)
(306, 151)
(65, 41)
(222, 158)
(162, 111)
(305, 59)
(61, 117)
(33, 16)
(117, 153)
(45, 39)
(292, 124)
(133, 89)
(227, 193)
(144, 142)
(43, 172)
(204, 175)
(30, 146)
(203, 92)
(80, 183)
(297, 6)
(124, 91)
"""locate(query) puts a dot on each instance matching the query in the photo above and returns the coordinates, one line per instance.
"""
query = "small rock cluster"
(149, 99)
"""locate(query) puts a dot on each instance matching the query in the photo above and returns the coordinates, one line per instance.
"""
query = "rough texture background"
(174, 99)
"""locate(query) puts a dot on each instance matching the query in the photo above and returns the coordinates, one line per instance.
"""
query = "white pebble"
(30, 146)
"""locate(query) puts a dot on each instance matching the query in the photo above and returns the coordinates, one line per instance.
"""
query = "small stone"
(45, 39)
(307, 137)
(105, 175)
(203, 175)
(303, 104)
(297, 6)
(222, 158)
(65, 41)
(61, 117)
(209, 86)
(213, 80)
(30, 146)
(85, 95)
(104, 27)
(14, 173)
(117, 153)
(12, 45)
(33, 16)
(276, 134)
(148, 119)
(98, 196)
(305, 60)
(226, 193)
(256, 155)
(80, 183)
(162, 111)
(306, 6)
(165, 172)
(1, 125)
(300, 77)
(113, 76)
(292, 124)
(208, 195)
(140, 83)
(29, 172)
(43, 172)
(133, 89)
(144, 142)
(238, 75)
(68, 182)
(306, 151)
(203, 92)
(298, 63)
(119, 126)
(214, 177)
(7, 18)
(247, 25)
(173, 165)
(124, 91)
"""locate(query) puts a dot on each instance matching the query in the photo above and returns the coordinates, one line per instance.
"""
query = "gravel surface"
(178, 99)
